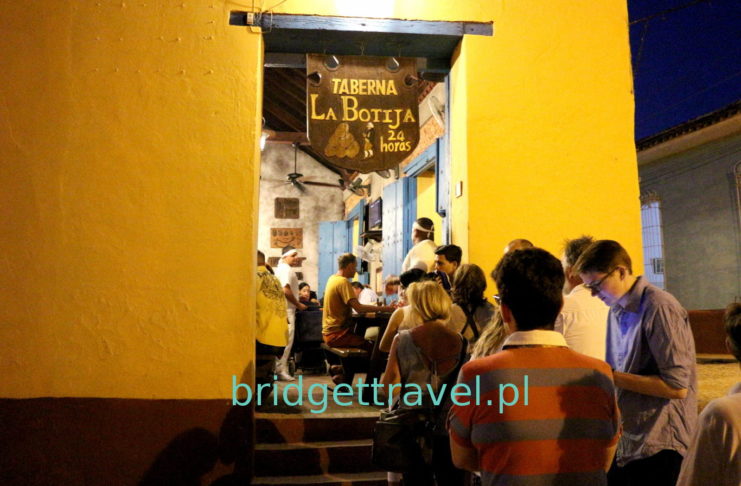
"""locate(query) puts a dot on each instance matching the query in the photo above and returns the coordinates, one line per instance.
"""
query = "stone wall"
(315, 205)
(702, 247)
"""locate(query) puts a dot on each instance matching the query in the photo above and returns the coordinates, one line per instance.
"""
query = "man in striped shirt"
(542, 414)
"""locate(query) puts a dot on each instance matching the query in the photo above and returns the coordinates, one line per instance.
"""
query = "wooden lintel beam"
(298, 61)
(362, 24)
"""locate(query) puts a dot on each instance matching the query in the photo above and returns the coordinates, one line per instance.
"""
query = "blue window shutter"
(333, 242)
(326, 244)
(399, 213)
(341, 242)
(442, 178)
(409, 212)
(391, 230)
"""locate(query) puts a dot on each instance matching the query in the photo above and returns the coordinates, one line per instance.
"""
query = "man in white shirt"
(422, 254)
(365, 295)
(583, 319)
(714, 457)
(287, 276)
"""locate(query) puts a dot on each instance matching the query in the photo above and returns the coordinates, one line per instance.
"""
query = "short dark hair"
(346, 259)
(530, 283)
(410, 276)
(732, 320)
(302, 285)
(603, 256)
(452, 253)
(357, 285)
(573, 249)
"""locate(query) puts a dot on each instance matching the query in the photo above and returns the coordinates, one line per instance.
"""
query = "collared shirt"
(536, 337)
(648, 333)
(563, 413)
(583, 322)
(287, 276)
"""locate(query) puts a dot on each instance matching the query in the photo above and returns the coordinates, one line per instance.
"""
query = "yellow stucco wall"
(128, 140)
(542, 120)
(127, 198)
(426, 202)
(549, 129)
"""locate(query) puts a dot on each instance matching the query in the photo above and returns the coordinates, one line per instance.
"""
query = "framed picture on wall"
(282, 237)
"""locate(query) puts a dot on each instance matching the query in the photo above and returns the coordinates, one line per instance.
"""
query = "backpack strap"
(470, 322)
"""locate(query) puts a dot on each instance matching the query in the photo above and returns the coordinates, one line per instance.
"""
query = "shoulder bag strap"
(470, 322)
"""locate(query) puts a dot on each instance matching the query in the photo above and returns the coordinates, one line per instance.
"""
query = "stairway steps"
(286, 428)
(314, 458)
(308, 449)
(377, 478)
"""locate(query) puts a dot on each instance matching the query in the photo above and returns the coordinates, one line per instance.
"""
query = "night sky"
(686, 63)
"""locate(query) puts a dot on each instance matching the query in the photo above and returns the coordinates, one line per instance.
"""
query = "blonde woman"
(403, 317)
(427, 355)
(492, 338)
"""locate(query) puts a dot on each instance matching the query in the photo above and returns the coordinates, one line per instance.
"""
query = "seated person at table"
(307, 296)
(391, 289)
(339, 301)
(365, 294)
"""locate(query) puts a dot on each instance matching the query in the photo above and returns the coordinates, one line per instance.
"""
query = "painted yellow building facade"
(129, 166)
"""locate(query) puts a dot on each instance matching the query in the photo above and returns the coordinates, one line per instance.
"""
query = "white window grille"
(653, 242)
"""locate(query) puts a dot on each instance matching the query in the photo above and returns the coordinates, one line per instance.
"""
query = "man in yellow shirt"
(339, 302)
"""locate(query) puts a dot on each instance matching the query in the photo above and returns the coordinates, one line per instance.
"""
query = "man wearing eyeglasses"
(652, 352)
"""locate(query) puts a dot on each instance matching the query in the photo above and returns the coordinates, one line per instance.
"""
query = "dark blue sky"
(689, 63)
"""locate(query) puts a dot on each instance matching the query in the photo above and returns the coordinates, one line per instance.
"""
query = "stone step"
(345, 479)
(314, 458)
(305, 428)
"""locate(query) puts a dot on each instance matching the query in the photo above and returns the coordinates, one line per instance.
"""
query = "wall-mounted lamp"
(331, 62)
(264, 136)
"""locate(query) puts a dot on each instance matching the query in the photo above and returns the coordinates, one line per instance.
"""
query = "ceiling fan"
(294, 178)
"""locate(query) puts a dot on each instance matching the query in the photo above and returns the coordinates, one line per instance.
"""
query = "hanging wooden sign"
(362, 111)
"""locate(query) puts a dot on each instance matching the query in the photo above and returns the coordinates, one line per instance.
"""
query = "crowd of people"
(607, 361)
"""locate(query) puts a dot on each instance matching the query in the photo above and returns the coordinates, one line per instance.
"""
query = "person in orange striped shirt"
(545, 414)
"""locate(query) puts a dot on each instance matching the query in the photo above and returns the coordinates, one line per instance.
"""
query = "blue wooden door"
(332, 243)
(399, 213)
(357, 213)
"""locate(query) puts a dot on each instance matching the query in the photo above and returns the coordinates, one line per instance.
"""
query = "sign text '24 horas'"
(362, 110)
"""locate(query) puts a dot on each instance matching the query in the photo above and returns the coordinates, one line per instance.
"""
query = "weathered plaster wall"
(702, 238)
(426, 205)
(548, 129)
(315, 205)
(130, 159)
(128, 198)
(542, 131)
